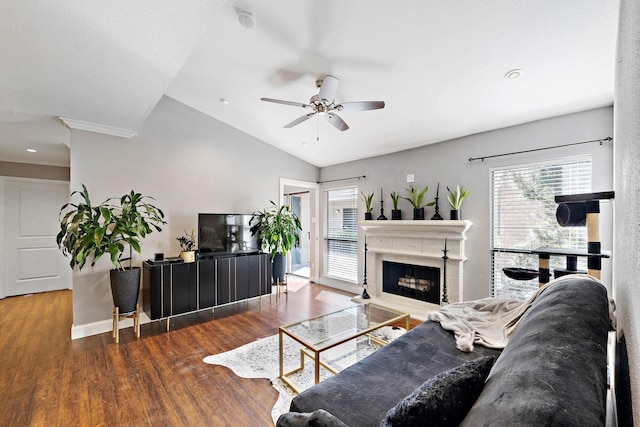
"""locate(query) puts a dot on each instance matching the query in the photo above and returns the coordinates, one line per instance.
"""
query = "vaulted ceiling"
(439, 66)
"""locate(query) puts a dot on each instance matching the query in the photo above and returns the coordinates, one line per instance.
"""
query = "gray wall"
(627, 188)
(189, 163)
(448, 164)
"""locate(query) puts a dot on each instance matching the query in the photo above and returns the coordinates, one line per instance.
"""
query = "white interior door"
(33, 261)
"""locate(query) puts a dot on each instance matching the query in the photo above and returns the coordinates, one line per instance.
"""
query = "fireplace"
(418, 244)
(417, 282)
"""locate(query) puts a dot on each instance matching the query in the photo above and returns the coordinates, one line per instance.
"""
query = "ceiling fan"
(323, 104)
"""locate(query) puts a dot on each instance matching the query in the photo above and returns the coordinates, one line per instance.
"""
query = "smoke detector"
(245, 18)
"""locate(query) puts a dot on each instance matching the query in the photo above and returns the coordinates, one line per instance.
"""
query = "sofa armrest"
(553, 371)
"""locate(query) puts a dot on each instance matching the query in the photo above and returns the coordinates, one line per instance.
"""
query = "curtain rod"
(343, 179)
(607, 139)
(295, 193)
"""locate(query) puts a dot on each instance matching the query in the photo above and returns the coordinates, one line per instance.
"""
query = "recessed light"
(513, 74)
(31, 150)
(225, 101)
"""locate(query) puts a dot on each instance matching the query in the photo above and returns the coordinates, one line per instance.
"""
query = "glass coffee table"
(328, 331)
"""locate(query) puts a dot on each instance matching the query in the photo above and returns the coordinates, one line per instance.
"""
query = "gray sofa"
(553, 371)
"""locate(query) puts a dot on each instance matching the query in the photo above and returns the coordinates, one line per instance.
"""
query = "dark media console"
(171, 289)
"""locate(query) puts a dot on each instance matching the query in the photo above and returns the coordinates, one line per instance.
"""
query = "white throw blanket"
(488, 321)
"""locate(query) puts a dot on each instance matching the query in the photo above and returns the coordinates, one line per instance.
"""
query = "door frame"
(314, 228)
(305, 220)
(3, 238)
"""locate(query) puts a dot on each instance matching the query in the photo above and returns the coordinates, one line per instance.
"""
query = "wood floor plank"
(156, 380)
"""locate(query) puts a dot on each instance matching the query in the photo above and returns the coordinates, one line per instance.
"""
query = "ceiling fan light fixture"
(323, 104)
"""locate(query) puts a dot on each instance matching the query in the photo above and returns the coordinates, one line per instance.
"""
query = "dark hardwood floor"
(157, 380)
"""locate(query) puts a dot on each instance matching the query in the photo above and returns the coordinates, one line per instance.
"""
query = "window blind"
(523, 217)
(341, 234)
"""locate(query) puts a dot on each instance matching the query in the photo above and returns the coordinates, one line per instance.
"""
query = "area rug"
(259, 359)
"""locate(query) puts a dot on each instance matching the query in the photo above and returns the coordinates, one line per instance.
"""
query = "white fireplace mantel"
(418, 242)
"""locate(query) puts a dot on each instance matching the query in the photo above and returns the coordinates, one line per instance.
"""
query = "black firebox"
(412, 281)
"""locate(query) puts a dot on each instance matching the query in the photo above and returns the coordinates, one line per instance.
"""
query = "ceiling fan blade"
(360, 106)
(300, 120)
(337, 122)
(280, 101)
(328, 88)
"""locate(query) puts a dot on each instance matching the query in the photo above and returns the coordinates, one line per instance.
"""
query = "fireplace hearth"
(417, 282)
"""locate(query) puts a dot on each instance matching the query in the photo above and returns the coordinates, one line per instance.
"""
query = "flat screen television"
(221, 233)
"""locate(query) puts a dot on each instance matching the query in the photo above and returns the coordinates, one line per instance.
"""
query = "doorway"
(299, 258)
(302, 197)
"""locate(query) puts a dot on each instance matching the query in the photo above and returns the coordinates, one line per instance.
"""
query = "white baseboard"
(102, 326)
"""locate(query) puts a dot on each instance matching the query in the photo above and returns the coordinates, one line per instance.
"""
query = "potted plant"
(88, 232)
(187, 246)
(278, 230)
(368, 204)
(415, 198)
(395, 212)
(455, 199)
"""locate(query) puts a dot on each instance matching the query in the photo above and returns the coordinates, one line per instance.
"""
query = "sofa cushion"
(317, 418)
(362, 394)
(554, 369)
(442, 400)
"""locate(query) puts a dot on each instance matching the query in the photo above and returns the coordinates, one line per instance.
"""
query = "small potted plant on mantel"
(187, 246)
(415, 198)
(395, 212)
(88, 232)
(368, 204)
(455, 199)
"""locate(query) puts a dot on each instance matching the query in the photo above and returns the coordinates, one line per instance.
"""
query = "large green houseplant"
(278, 231)
(88, 232)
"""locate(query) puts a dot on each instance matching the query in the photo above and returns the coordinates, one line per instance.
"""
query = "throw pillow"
(317, 418)
(444, 399)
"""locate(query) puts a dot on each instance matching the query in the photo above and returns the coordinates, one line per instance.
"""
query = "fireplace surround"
(419, 243)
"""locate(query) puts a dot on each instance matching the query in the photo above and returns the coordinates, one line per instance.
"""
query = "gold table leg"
(316, 367)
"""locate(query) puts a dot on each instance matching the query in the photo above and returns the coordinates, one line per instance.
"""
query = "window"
(523, 217)
(341, 234)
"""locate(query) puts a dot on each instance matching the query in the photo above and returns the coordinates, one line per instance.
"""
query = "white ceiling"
(438, 65)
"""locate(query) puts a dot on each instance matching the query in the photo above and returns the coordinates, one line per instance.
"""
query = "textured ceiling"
(438, 65)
